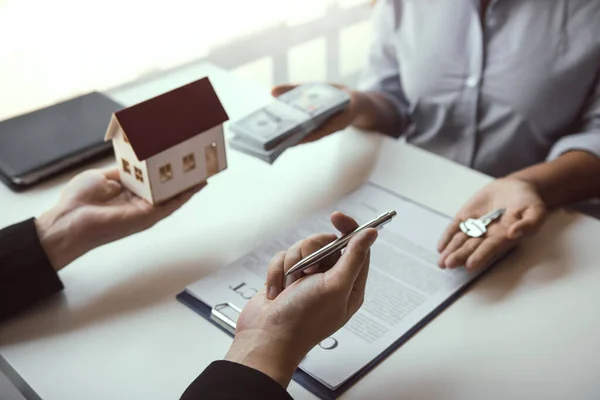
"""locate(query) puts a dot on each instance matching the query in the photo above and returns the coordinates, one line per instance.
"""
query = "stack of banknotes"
(269, 131)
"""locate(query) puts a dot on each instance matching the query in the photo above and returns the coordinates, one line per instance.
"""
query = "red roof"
(164, 121)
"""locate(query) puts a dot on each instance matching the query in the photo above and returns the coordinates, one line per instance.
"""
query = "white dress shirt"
(498, 92)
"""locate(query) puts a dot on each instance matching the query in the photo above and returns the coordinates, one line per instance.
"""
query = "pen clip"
(217, 314)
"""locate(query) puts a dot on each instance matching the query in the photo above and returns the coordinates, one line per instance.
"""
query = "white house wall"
(124, 151)
(183, 180)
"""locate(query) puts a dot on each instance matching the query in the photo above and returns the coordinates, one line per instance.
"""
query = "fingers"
(336, 123)
(112, 174)
(487, 251)
(529, 223)
(316, 135)
(292, 256)
(281, 89)
(345, 272)
(456, 242)
(111, 189)
(343, 223)
(460, 256)
(339, 86)
(475, 253)
(448, 234)
(177, 202)
(357, 295)
(304, 248)
(188, 194)
(95, 186)
(275, 275)
(313, 244)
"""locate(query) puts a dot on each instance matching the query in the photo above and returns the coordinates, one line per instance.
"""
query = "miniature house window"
(125, 165)
(211, 160)
(138, 174)
(165, 172)
(189, 162)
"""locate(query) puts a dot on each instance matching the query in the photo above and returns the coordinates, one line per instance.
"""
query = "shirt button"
(472, 81)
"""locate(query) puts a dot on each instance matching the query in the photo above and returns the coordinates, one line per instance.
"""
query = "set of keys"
(478, 227)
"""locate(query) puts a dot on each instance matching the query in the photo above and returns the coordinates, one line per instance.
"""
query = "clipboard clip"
(219, 314)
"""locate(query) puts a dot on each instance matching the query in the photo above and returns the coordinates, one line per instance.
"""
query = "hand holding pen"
(294, 320)
(320, 251)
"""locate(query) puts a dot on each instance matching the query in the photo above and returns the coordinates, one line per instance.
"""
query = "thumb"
(346, 270)
(110, 189)
(113, 183)
(529, 223)
(112, 174)
(281, 89)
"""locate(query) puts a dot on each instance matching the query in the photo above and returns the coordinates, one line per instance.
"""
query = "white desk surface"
(530, 329)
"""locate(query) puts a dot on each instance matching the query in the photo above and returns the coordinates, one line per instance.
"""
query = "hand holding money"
(298, 114)
(338, 122)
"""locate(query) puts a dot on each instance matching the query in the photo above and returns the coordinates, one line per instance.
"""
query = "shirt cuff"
(26, 274)
(588, 141)
(228, 380)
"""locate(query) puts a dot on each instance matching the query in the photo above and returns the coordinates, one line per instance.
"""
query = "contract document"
(405, 287)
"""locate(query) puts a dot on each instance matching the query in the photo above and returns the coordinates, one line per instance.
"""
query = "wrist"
(531, 182)
(375, 112)
(564, 180)
(266, 353)
(525, 177)
(360, 106)
(59, 243)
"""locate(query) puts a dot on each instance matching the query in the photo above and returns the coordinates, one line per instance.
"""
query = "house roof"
(164, 121)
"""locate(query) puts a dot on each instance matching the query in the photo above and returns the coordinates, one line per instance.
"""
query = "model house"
(171, 142)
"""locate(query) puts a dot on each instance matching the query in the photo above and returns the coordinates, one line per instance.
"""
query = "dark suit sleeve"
(225, 380)
(26, 275)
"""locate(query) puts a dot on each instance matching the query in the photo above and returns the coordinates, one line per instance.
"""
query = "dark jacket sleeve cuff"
(26, 274)
(225, 380)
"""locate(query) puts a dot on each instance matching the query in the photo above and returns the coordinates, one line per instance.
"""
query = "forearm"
(572, 177)
(26, 275)
(377, 113)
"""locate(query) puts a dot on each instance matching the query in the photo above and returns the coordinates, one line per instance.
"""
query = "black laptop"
(40, 144)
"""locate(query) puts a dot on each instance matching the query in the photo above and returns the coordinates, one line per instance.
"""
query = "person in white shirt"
(509, 88)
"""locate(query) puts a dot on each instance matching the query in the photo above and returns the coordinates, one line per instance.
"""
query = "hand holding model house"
(171, 142)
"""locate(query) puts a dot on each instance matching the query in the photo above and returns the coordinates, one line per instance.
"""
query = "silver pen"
(340, 243)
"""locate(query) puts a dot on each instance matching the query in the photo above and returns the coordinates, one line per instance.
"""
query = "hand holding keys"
(477, 227)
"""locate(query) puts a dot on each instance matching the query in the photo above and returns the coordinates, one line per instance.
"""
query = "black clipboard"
(212, 315)
(301, 377)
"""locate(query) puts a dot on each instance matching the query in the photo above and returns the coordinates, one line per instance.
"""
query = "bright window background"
(55, 49)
